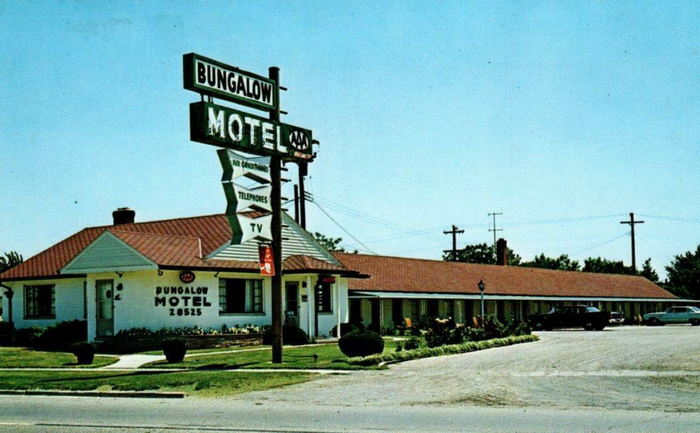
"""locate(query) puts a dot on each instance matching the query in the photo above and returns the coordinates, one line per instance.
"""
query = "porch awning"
(365, 294)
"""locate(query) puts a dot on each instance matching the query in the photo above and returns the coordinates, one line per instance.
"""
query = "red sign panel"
(267, 265)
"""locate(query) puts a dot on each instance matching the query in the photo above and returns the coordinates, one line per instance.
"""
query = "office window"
(237, 295)
(39, 302)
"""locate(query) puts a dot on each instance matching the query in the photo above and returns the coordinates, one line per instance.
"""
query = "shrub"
(63, 335)
(521, 328)
(494, 328)
(294, 335)
(174, 350)
(425, 352)
(413, 343)
(361, 343)
(84, 352)
(475, 334)
(444, 331)
(345, 328)
(28, 336)
(291, 334)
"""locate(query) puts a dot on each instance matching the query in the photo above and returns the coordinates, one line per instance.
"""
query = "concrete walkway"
(127, 362)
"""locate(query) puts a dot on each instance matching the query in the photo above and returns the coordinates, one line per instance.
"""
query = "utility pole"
(631, 223)
(276, 198)
(494, 229)
(453, 232)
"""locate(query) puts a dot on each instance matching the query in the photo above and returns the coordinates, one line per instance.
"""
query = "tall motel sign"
(252, 184)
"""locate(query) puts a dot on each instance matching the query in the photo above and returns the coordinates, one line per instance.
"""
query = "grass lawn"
(198, 383)
(329, 357)
(13, 357)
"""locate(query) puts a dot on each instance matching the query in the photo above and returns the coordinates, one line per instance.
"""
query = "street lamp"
(482, 286)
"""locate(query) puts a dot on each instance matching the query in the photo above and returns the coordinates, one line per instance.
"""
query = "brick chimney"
(502, 252)
(123, 215)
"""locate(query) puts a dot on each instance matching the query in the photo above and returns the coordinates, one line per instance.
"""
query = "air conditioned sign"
(225, 127)
(213, 78)
(249, 207)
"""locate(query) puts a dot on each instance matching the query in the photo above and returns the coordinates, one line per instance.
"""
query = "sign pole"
(276, 198)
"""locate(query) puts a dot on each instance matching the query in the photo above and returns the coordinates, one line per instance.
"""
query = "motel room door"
(291, 313)
(104, 290)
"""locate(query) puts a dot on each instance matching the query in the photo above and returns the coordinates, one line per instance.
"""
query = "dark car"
(571, 316)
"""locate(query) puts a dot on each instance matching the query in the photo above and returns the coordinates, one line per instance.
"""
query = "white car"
(674, 315)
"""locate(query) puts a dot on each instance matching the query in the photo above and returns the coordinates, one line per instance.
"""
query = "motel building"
(400, 288)
(172, 274)
(184, 272)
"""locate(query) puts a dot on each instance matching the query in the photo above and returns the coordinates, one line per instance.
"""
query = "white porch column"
(311, 300)
(91, 300)
(337, 309)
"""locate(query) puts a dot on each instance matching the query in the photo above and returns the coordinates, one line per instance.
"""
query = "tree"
(10, 260)
(329, 243)
(684, 274)
(605, 266)
(648, 272)
(481, 253)
(562, 263)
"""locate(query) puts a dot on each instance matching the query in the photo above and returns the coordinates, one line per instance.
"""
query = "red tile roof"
(397, 274)
(176, 243)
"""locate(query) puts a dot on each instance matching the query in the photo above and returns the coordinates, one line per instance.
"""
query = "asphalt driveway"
(619, 368)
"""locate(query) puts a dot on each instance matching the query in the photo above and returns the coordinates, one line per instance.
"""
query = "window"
(39, 302)
(323, 298)
(237, 295)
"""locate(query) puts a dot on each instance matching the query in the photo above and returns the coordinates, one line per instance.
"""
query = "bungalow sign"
(216, 79)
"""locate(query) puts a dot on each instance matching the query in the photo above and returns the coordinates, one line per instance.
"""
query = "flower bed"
(142, 339)
(450, 349)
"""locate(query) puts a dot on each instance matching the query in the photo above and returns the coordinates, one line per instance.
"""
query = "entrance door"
(291, 314)
(105, 307)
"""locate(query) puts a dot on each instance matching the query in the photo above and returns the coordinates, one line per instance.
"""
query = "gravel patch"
(619, 368)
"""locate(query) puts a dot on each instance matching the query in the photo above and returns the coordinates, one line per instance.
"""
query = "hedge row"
(450, 349)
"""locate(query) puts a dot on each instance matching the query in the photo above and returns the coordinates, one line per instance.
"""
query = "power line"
(601, 244)
(343, 228)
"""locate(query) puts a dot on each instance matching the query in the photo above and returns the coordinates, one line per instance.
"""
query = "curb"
(127, 394)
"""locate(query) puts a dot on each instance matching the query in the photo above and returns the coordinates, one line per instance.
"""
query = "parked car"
(571, 316)
(616, 318)
(674, 315)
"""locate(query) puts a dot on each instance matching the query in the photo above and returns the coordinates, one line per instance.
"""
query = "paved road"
(81, 415)
(618, 380)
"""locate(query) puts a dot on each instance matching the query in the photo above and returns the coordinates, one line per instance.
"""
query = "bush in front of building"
(450, 349)
(361, 343)
(494, 328)
(84, 352)
(27, 337)
(174, 350)
(413, 342)
(444, 331)
(519, 328)
(346, 328)
(294, 335)
(62, 335)
(475, 334)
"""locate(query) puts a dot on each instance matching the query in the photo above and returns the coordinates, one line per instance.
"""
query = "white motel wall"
(139, 304)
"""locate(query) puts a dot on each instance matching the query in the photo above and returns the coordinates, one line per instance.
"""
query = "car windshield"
(592, 309)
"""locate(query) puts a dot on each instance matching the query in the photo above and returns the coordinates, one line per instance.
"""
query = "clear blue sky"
(564, 116)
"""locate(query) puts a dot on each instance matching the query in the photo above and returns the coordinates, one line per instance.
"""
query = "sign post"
(276, 174)
(254, 213)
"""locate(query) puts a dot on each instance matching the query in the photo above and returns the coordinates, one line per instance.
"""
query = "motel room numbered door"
(105, 307)
(291, 313)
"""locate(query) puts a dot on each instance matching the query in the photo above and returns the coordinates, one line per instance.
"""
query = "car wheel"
(600, 327)
(653, 322)
(695, 322)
